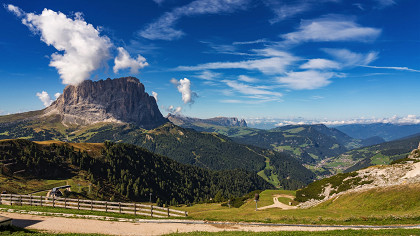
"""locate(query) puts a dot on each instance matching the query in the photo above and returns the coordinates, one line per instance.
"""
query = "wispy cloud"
(276, 63)
(331, 28)
(173, 110)
(251, 90)
(310, 79)
(385, 3)
(208, 75)
(349, 58)
(45, 98)
(248, 79)
(320, 64)
(392, 68)
(163, 28)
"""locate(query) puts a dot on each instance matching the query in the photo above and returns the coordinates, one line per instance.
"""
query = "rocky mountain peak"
(121, 100)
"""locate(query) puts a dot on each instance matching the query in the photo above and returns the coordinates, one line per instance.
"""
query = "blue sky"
(285, 61)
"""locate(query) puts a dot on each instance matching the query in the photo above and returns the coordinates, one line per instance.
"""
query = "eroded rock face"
(122, 100)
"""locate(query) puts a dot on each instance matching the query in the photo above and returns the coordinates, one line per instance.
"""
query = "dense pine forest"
(129, 171)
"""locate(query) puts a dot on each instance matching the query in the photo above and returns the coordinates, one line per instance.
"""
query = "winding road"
(278, 204)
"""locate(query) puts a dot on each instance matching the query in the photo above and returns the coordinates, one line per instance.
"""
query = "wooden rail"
(79, 204)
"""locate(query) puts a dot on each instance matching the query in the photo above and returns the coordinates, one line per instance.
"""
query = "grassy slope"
(396, 205)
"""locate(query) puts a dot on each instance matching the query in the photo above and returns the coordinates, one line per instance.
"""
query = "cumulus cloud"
(163, 28)
(45, 98)
(184, 87)
(309, 79)
(330, 29)
(349, 58)
(155, 95)
(174, 110)
(124, 61)
(320, 64)
(56, 95)
(82, 48)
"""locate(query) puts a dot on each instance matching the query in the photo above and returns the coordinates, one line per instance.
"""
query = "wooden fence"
(79, 204)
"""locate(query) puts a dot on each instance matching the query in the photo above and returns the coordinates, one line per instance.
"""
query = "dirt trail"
(147, 227)
(278, 204)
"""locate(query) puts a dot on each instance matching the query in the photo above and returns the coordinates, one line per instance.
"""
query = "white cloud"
(310, 79)
(276, 63)
(208, 75)
(45, 98)
(251, 90)
(83, 49)
(16, 10)
(320, 64)
(392, 68)
(56, 95)
(163, 28)
(124, 60)
(385, 3)
(349, 58)
(331, 28)
(171, 109)
(155, 95)
(248, 79)
(184, 87)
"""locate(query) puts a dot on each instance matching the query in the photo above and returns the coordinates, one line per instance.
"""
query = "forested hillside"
(127, 172)
(208, 150)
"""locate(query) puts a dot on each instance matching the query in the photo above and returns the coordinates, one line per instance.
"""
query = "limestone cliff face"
(221, 121)
(122, 100)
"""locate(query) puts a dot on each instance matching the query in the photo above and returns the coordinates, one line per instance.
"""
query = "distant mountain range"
(197, 124)
(386, 131)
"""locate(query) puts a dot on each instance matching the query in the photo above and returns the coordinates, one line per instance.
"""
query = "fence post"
(30, 199)
(78, 204)
(20, 200)
(151, 210)
(41, 201)
(120, 206)
(106, 206)
(134, 208)
(168, 211)
(91, 205)
(65, 203)
(11, 200)
(53, 201)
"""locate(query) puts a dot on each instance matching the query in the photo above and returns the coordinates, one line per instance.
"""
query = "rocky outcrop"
(220, 121)
(121, 100)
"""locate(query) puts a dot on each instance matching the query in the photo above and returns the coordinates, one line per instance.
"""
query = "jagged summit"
(121, 100)
(220, 121)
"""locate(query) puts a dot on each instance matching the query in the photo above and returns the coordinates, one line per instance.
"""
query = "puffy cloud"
(320, 64)
(310, 79)
(124, 60)
(163, 28)
(56, 95)
(331, 28)
(45, 98)
(155, 95)
(83, 49)
(184, 87)
(174, 110)
(16, 10)
(349, 58)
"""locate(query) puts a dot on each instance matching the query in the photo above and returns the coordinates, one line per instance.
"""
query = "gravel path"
(150, 227)
(278, 204)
